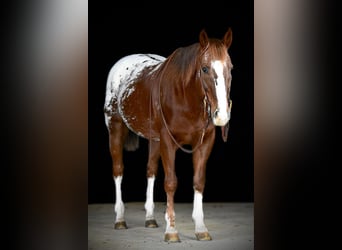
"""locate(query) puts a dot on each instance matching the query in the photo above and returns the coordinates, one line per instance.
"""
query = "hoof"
(151, 224)
(120, 225)
(171, 237)
(203, 236)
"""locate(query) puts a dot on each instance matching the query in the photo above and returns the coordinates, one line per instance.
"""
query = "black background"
(114, 33)
(296, 181)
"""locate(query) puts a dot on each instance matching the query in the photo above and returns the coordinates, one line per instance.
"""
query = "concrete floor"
(231, 226)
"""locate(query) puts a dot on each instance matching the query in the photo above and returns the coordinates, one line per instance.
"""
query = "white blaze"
(221, 93)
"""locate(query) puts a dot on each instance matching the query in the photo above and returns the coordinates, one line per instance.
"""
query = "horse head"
(215, 75)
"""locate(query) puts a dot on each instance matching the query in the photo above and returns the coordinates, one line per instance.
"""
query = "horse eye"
(205, 69)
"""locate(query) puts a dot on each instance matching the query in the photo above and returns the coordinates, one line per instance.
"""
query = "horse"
(174, 102)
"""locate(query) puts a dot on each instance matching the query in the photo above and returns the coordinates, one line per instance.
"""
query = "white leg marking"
(197, 213)
(149, 204)
(169, 229)
(119, 206)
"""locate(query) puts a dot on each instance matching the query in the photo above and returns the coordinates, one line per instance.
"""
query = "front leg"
(168, 154)
(200, 157)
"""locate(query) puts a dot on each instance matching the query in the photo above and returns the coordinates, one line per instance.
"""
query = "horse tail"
(131, 142)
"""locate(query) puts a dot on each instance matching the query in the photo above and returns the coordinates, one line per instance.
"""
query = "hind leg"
(152, 168)
(117, 134)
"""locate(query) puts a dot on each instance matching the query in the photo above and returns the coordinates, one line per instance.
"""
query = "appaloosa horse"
(171, 102)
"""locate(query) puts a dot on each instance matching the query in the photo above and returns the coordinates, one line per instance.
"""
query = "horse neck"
(194, 93)
(190, 96)
(183, 89)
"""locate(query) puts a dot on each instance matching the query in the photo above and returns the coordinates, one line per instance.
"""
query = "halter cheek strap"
(207, 107)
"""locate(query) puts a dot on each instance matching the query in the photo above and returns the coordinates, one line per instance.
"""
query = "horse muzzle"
(222, 117)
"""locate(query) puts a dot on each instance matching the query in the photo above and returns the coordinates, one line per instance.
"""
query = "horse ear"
(228, 37)
(203, 39)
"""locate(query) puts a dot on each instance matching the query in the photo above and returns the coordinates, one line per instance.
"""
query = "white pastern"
(223, 115)
(119, 206)
(169, 229)
(197, 213)
(149, 204)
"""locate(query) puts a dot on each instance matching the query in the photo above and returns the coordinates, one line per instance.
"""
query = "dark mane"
(181, 64)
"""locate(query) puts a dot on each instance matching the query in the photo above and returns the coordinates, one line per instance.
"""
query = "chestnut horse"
(172, 102)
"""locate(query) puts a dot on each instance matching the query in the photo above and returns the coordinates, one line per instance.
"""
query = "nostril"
(216, 113)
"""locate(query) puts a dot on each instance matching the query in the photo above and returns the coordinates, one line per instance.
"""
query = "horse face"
(216, 76)
(216, 67)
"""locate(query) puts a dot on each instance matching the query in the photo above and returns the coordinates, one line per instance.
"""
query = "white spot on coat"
(122, 76)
